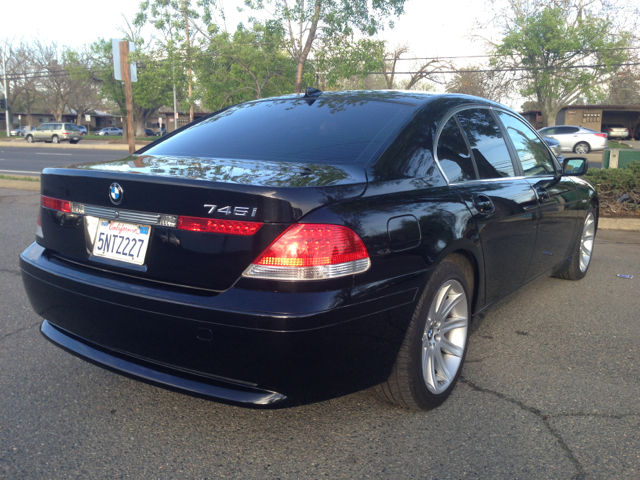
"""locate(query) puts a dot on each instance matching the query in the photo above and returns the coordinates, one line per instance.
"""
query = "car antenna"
(311, 94)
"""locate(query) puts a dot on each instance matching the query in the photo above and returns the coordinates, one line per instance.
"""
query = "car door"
(558, 198)
(40, 134)
(568, 137)
(503, 206)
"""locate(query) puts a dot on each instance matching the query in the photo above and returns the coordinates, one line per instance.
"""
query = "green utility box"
(620, 156)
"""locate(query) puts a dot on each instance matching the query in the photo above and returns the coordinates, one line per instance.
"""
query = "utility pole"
(175, 109)
(186, 21)
(6, 97)
(125, 68)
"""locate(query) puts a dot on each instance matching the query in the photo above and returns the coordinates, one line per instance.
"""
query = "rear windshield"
(324, 130)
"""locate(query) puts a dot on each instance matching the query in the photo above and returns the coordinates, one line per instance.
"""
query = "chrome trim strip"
(124, 215)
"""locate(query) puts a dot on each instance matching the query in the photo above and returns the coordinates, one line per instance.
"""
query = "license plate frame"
(122, 241)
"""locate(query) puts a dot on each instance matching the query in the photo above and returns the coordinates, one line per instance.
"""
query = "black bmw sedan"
(303, 247)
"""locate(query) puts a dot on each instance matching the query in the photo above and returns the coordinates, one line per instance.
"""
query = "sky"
(430, 28)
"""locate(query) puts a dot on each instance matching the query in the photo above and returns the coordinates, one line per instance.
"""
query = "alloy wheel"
(586, 241)
(582, 149)
(445, 336)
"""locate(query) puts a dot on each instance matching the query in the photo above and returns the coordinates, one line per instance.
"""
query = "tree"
(152, 90)
(472, 81)
(624, 87)
(246, 66)
(553, 41)
(420, 72)
(54, 85)
(84, 96)
(314, 26)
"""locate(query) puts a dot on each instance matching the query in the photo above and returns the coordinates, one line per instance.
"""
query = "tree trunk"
(141, 124)
(302, 59)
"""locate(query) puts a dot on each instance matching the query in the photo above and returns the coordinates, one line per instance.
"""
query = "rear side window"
(567, 130)
(487, 144)
(453, 154)
(324, 130)
(533, 154)
(57, 126)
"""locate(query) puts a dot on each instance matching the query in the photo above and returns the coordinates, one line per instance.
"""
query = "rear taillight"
(311, 252)
(209, 225)
(55, 204)
(603, 135)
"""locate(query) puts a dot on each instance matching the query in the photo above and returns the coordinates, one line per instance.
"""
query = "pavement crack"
(19, 330)
(6, 270)
(580, 473)
(615, 416)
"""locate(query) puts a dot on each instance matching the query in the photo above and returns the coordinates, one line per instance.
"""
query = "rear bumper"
(246, 347)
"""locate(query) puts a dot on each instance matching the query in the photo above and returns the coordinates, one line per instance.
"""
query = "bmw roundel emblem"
(115, 193)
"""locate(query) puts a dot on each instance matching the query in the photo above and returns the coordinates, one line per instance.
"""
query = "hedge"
(618, 189)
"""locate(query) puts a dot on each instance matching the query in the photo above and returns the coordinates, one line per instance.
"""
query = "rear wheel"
(583, 250)
(73, 141)
(29, 139)
(433, 351)
(582, 148)
(55, 139)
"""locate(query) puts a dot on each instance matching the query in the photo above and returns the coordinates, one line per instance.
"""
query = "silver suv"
(576, 139)
(55, 132)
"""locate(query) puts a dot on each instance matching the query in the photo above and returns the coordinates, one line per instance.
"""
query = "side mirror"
(575, 166)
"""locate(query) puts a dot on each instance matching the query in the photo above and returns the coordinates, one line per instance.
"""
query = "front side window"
(533, 154)
(453, 154)
(487, 144)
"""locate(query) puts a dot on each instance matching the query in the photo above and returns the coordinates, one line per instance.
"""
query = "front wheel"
(55, 139)
(73, 142)
(583, 250)
(582, 148)
(433, 351)
(29, 139)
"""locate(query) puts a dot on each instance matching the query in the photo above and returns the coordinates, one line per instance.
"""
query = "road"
(15, 160)
(551, 389)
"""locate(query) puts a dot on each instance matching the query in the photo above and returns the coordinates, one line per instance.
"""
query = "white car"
(575, 139)
(110, 131)
(22, 131)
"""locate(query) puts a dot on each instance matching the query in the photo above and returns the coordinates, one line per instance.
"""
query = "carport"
(594, 116)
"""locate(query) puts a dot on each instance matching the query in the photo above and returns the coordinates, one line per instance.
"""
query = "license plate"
(126, 242)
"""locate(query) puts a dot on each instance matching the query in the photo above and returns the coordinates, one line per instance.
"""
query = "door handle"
(483, 204)
(543, 195)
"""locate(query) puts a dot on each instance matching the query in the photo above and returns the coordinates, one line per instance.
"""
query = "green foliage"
(550, 42)
(248, 66)
(612, 183)
(153, 89)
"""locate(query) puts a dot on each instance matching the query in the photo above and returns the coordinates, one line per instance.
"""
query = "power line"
(515, 69)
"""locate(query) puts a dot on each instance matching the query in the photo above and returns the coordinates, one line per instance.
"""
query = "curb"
(628, 224)
(77, 146)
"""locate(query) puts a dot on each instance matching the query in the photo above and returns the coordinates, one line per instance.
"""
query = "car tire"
(73, 142)
(55, 139)
(582, 148)
(120, 134)
(583, 249)
(30, 139)
(423, 375)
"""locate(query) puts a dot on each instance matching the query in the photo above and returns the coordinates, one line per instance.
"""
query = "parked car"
(554, 146)
(55, 132)
(150, 133)
(83, 129)
(109, 131)
(301, 247)
(615, 130)
(21, 131)
(580, 140)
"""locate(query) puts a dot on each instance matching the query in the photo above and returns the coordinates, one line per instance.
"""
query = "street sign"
(160, 121)
(117, 61)
(19, 117)
(87, 117)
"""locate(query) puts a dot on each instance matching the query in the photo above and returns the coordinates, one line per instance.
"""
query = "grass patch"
(617, 145)
(24, 179)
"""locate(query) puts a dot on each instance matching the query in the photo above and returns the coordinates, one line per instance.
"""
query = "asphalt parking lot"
(551, 389)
